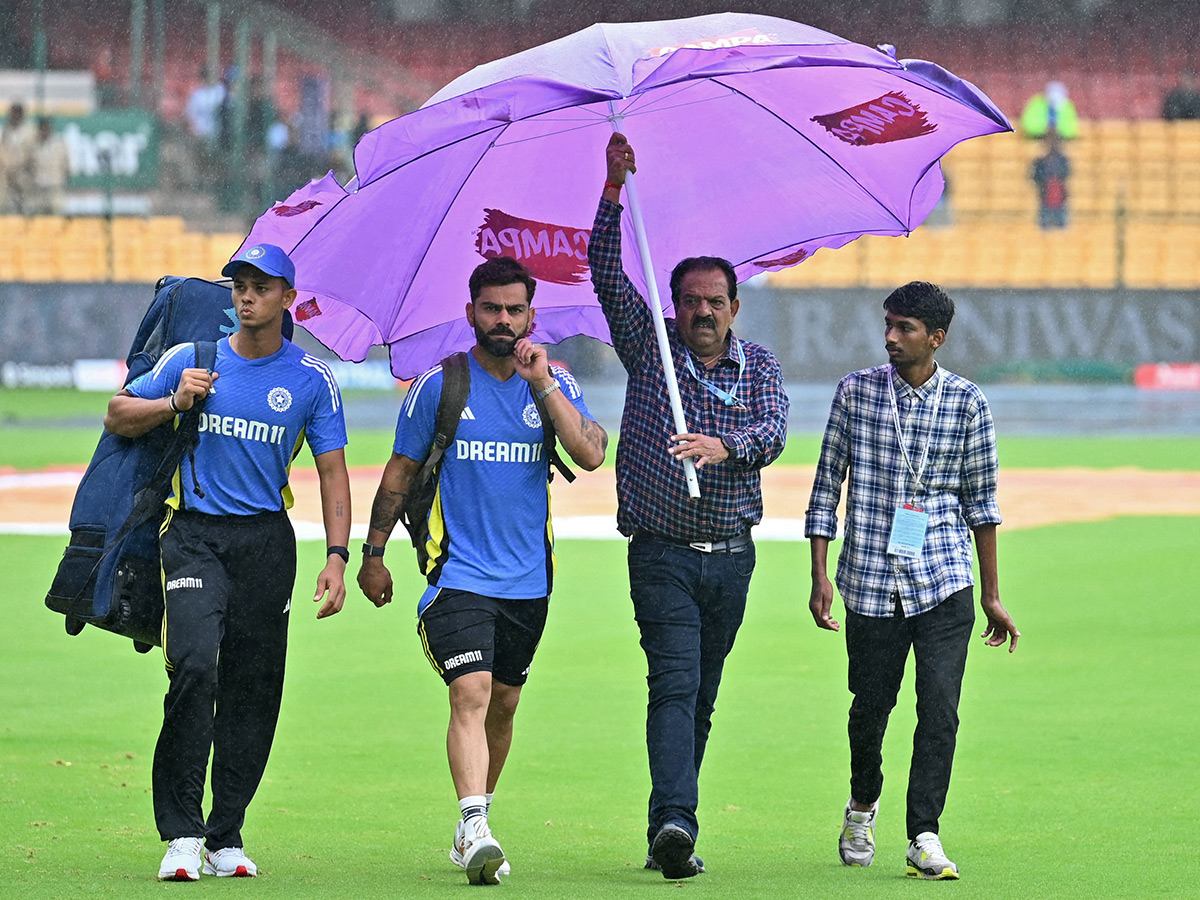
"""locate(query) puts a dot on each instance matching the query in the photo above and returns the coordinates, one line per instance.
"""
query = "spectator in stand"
(1183, 100)
(361, 127)
(17, 140)
(260, 118)
(201, 110)
(1050, 173)
(1050, 110)
(51, 169)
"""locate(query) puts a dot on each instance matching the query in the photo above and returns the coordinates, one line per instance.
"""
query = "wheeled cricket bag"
(110, 574)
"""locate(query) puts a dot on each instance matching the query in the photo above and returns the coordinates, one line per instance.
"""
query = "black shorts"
(464, 632)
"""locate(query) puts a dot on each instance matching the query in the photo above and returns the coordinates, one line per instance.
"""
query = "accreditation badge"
(908, 531)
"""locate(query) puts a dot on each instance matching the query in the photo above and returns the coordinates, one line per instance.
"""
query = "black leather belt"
(736, 544)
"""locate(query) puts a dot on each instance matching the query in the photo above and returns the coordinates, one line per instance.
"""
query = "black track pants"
(228, 586)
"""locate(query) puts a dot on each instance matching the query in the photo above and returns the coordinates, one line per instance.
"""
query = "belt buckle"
(702, 546)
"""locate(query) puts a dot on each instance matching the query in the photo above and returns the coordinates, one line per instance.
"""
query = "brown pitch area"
(1028, 497)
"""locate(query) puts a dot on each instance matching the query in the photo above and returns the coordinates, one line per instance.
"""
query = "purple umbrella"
(759, 140)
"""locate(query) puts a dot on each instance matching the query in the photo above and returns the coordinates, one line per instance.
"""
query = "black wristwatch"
(372, 550)
(729, 447)
(340, 551)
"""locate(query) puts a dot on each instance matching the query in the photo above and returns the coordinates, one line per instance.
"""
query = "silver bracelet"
(550, 389)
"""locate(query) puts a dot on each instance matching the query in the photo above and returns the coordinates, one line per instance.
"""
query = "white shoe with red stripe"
(183, 860)
(229, 862)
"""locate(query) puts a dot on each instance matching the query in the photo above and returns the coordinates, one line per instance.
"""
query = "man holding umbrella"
(690, 561)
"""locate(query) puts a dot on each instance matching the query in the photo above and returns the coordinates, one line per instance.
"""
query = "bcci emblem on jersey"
(279, 399)
(531, 417)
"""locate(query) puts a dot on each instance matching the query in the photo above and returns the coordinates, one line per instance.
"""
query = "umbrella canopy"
(758, 139)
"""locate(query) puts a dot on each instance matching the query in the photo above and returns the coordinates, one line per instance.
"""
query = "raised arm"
(335, 511)
(373, 576)
(629, 320)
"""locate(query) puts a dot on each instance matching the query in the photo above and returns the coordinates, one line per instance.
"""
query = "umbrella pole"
(660, 325)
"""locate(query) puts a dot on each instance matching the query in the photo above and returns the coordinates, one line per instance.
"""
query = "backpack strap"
(550, 441)
(189, 423)
(456, 384)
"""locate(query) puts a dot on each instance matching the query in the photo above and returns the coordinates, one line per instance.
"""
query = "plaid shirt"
(959, 486)
(652, 493)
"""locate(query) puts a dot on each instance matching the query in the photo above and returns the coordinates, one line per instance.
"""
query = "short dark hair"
(924, 301)
(703, 264)
(499, 271)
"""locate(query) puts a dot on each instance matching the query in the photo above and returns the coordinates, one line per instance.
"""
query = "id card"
(908, 531)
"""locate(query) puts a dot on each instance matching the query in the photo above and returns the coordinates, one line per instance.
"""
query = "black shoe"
(672, 851)
(655, 867)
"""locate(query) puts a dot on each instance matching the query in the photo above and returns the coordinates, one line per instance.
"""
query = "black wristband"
(372, 550)
(340, 551)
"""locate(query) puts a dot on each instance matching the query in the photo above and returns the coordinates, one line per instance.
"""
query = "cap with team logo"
(266, 257)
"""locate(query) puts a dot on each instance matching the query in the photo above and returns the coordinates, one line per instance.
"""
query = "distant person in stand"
(1050, 110)
(1183, 100)
(1050, 173)
(17, 140)
(51, 170)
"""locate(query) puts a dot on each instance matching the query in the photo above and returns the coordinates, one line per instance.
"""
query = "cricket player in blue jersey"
(492, 570)
(229, 556)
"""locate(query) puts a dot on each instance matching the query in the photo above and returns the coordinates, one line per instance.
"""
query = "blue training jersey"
(490, 519)
(254, 422)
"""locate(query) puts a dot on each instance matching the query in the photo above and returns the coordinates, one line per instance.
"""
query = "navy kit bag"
(110, 574)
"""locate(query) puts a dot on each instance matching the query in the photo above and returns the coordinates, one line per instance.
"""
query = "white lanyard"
(937, 402)
(729, 398)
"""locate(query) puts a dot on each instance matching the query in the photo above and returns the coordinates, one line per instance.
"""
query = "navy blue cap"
(268, 258)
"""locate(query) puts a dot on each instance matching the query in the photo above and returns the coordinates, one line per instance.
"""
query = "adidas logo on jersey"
(466, 413)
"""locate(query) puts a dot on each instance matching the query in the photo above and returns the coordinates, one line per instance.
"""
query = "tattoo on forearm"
(339, 509)
(385, 511)
(593, 433)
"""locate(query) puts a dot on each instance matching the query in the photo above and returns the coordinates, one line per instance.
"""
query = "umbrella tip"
(889, 49)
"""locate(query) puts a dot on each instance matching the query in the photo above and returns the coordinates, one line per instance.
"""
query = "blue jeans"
(689, 606)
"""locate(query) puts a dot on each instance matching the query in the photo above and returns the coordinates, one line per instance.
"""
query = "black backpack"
(110, 575)
(456, 384)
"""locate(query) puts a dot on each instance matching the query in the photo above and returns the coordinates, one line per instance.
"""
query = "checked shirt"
(651, 490)
(959, 486)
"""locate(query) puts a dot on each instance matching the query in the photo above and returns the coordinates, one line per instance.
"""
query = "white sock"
(488, 800)
(472, 806)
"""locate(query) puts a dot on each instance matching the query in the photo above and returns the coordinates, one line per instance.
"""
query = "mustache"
(501, 331)
(705, 322)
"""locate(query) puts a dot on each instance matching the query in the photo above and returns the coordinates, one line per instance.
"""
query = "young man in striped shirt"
(690, 561)
(920, 450)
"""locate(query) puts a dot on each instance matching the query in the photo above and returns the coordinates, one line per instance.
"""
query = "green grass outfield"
(1075, 777)
(1075, 774)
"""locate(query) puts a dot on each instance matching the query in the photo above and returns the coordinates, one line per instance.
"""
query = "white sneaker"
(456, 851)
(183, 860)
(229, 862)
(481, 853)
(856, 844)
(927, 859)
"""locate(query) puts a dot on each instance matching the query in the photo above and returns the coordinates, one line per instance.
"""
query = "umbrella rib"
(548, 134)
(819, 237)
(809, 140)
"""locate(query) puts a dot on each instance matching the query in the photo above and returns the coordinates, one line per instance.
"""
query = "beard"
(498, 343)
